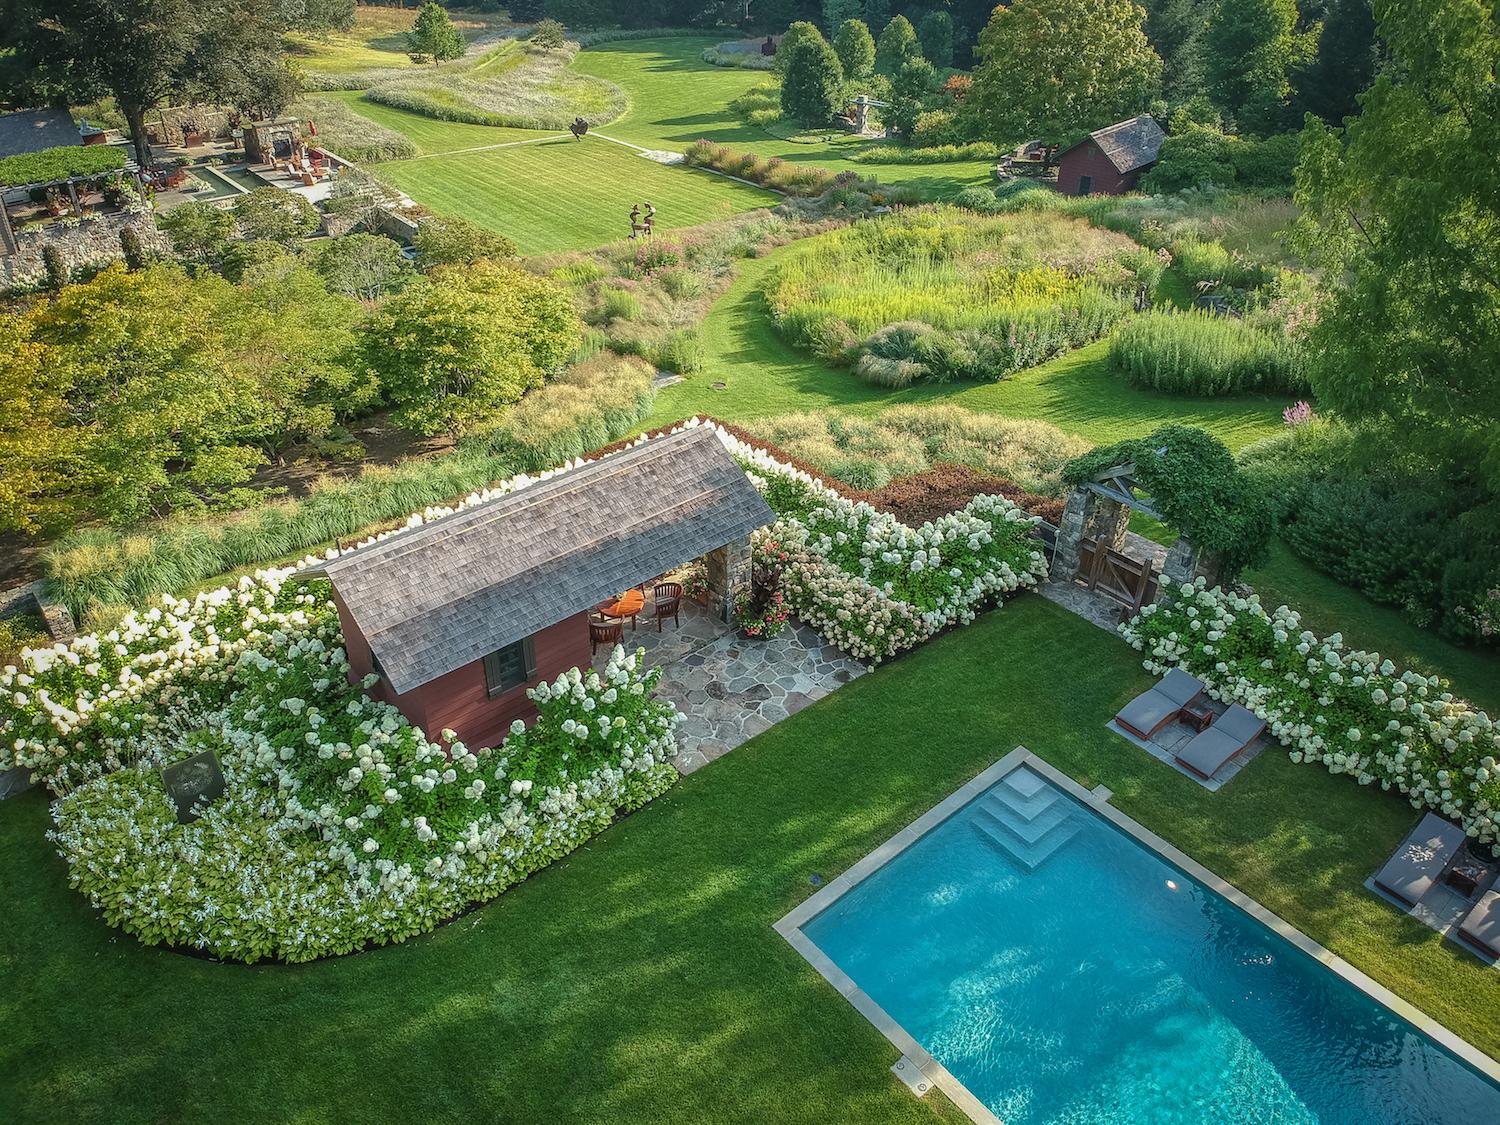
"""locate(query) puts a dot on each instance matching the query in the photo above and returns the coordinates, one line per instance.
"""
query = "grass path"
(639, 979)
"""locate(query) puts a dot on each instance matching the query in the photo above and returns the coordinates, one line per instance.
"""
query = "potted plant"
(761, 614)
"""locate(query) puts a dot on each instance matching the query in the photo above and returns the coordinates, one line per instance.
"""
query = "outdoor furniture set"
(1179, 697)
(1435, 854)
(607, 619)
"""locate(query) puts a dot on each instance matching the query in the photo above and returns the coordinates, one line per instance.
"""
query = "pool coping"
(789, 926)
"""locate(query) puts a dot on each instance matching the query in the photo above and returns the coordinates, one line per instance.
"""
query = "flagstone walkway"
(730, 688)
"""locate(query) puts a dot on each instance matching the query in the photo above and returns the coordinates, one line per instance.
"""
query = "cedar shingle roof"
(1130, 144)
(446, 594)
(33, 130)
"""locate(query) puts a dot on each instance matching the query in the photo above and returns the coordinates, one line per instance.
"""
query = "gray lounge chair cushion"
(1240, 723)
(1149, 710)
(1482, 924)
(1206, 752)
(1180, 687)
(1146, 712)
(1410, 873)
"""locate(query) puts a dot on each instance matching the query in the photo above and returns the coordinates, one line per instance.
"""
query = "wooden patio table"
(628, 604)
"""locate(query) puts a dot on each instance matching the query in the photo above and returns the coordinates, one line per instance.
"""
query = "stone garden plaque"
(192, 781)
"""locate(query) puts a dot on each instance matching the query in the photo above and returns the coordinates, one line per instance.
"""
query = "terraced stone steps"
(1026, 818)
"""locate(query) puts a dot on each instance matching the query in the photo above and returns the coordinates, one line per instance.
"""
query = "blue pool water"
(1107, 986)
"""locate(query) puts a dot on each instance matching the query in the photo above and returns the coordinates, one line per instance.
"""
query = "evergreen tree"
(1175, 29)
(898, 42)
(796, 33)
(1344, 65)
(936, 37)
(836, 12)
(877, 13)
(855, 47)
(812, 85)
(433, 38)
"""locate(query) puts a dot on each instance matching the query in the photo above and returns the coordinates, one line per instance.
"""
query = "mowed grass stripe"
(564, 194)
(430, 135)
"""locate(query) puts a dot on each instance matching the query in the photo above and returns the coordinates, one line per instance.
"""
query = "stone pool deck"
(730, 688)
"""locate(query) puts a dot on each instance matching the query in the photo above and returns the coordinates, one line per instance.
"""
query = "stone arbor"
(1099, 509)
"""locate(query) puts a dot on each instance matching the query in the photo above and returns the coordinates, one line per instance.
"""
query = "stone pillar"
(728, 573)
(1187, 561)
(1087, 516)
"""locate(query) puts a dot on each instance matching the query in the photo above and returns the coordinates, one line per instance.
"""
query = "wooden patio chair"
(605, 633)
(668, 597)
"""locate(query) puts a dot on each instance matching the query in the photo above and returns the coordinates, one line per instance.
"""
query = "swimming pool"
(1062, 970)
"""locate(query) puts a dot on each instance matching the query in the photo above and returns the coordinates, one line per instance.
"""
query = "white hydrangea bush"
(341, 825)
(1350, 711)
(875, 586)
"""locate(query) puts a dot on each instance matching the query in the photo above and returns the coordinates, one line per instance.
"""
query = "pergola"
(1091, 541)
(8, 243)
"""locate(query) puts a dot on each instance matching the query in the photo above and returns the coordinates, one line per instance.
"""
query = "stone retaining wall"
(89, 243)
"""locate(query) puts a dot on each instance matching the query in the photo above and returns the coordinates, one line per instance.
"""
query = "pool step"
(1026, 818)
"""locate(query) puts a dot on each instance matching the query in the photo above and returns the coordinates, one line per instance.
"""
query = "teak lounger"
(1410, 873)
(1481, 925)
(1148, 712)
(1206, 753)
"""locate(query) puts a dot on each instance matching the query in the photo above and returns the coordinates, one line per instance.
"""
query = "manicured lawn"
(676, 98)
(765, 375)
(562, 194)
(639, 979)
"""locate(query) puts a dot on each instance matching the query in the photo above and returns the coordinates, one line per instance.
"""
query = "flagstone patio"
(728, 687)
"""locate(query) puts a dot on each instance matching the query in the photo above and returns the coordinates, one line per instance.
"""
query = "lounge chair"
(1411, 872)
(1148, 712)
(1206, 752)
(1481, 925)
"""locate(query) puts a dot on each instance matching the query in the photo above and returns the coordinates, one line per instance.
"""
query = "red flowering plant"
(760, 610)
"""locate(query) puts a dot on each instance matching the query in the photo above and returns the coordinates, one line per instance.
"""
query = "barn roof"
(33, 130)
(444, 595)
(1129, 144)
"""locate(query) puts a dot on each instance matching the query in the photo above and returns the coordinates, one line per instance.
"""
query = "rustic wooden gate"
(1130, 582)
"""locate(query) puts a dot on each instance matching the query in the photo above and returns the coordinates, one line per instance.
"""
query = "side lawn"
(639, 979)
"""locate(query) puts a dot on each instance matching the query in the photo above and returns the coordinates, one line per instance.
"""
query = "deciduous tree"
(813, 83)
(897, 43)
(458, 344)
(1056, 69)
(1402, 206)
(910, 91)
(1249, 49)
(432, 37)
(855, 47)
(935, 34)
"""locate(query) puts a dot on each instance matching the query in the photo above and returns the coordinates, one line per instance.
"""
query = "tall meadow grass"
(1200, 354)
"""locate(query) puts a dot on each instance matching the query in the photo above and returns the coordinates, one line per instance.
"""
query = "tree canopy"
(897, 43)
(812, 85)
(145, 53)
(459, 343)
(855, 47)
(1249, 49)
(1056, 69)
(432, 37)
(1402, 204)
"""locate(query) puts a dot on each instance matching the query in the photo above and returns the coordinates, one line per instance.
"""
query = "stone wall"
(91, 242)
(729, 572)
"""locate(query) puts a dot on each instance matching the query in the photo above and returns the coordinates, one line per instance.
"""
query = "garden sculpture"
(639, 225)
(578, 128)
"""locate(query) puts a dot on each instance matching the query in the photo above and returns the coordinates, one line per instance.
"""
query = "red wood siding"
(459, 700)
(1088, 159)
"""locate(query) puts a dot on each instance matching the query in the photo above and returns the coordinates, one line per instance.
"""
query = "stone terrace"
(730, 688)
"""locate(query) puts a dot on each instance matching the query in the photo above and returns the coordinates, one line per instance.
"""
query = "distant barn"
(1109, 161)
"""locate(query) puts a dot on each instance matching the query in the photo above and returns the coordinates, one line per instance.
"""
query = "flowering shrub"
(871, 584)
(761, 614)
(1298, 414)
(1351, 711)
(340, 825)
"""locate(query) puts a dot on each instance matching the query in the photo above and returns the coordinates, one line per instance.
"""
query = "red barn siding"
(1087, 159)
(459, 700)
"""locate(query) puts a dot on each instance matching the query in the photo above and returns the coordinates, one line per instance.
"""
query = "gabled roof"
(1129, 145)
(33, 130)
(446, 594)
